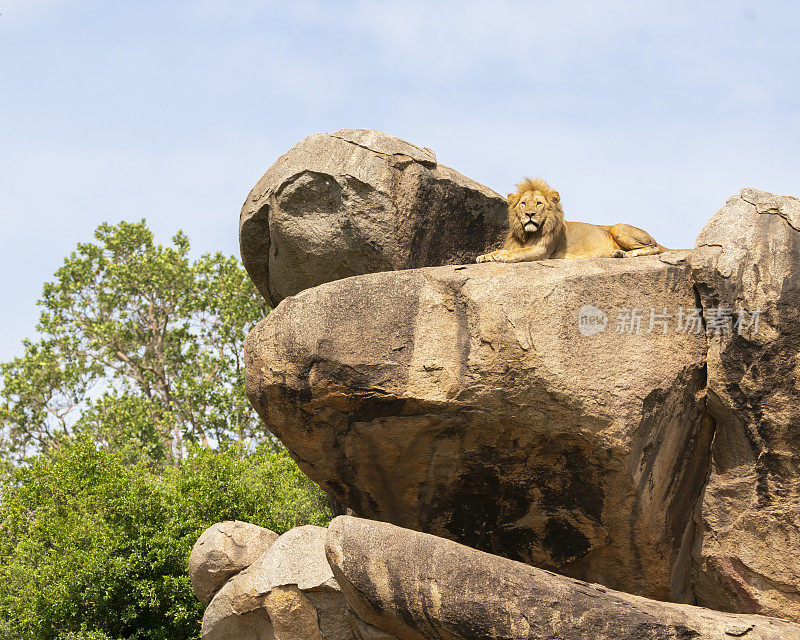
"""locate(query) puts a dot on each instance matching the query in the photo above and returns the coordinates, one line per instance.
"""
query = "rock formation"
(222, 551)
(358, 201)
(416, 587)
(288, 593)
(747, 262)
(632, 422)
(387, 583)
(465, 402)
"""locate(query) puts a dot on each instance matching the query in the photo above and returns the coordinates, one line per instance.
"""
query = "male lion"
(538, 231)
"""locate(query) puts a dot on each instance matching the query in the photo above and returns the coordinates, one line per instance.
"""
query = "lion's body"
(538, 231)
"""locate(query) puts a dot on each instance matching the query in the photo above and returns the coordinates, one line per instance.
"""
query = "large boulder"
(415, 586)
(289, 593)
(358, 201)
(222, 551)
(747, 265)
(519, 409)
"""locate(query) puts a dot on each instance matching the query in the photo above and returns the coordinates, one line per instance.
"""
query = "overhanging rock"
(491, 405)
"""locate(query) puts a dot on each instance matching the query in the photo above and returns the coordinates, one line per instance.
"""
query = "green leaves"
(124, 433)
(140, 345)
(92, 547)
(42, 391)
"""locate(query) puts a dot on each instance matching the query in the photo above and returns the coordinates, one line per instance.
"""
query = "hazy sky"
(651, 113)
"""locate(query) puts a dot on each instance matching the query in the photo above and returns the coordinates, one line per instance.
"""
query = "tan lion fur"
(538, 231)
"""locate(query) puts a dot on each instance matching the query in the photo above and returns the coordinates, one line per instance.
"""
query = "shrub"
(93, 547)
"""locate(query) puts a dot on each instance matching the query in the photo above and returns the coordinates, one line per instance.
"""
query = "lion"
(538, 231)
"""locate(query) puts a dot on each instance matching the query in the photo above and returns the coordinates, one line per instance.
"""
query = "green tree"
(140, 346)
(93, 547)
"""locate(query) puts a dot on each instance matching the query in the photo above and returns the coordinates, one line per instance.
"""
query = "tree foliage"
(93, 547)
(140, 346)
(124, 433)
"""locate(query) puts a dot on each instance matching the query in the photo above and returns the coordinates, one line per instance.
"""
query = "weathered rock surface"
(288, 593)
(748, 547)
(364, 631)
(358, 201)
(467, 402)
(419, 587)
(222, 551)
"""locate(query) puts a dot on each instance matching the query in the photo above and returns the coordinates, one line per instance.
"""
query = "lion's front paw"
(619, 253)
(486, 257)
(503, 256)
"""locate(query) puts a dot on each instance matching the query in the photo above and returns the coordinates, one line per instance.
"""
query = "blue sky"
(651, 113)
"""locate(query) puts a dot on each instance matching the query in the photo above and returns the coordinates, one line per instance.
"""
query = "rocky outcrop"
(747, 269)
(536, 411)
(416, 587)
(222, 551)
(634, 423)
(289, 593)
(359, 201)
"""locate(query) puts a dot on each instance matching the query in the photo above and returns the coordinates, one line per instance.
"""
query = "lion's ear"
(556, 196)
(513, 199)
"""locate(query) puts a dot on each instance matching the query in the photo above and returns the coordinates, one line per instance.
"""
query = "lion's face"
(532, 212)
